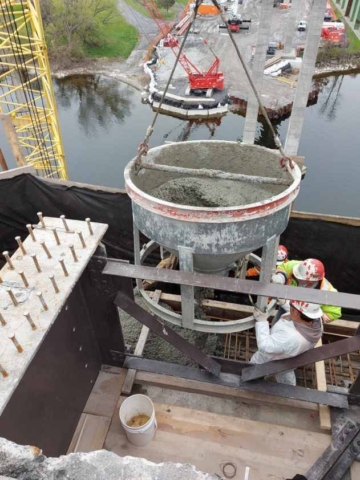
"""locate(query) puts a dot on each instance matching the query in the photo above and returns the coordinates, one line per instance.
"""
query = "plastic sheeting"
(23, 196)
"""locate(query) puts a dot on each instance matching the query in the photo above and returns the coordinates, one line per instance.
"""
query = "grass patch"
(354, 41)
(182, 2)
(139, 7)
(119, 39)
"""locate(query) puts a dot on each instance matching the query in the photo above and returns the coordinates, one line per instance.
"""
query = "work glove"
(278, 278)
(259, 315)
(281, 302)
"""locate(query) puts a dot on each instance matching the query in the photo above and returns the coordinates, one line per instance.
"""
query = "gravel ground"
(158, 349)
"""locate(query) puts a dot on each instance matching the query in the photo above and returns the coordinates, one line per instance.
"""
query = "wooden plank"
(355, 471)
(341, 327)
(3, 165)
(206, 440)
(15, 172)
(90, 433)
(105, 394)
(194, 386)
(324, 410)
(234, 311)
(112, 369)
(354, 221)
(13, 139)
(213, 308)
(130, 376)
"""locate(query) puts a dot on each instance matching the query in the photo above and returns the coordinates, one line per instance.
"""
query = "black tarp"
(21, 197)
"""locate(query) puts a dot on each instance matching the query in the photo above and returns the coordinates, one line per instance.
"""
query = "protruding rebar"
(15, 342)
(30, 320)
(87, 220)
(40, 215)
(82, 239)
(57, 239)
(46, 250)
(12, 296)
(2, 320)
(42, 300)
(21, 245)
(8, 260)
(23, 278)
(73, 253)
(31, 232)
(63, 266)
(36, 262)
(65, 223)
(3, 372)
(53, 281)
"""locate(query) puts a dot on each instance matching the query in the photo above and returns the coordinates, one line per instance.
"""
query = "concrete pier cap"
(243, 217)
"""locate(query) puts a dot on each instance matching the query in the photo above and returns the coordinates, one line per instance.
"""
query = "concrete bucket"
(210, 223)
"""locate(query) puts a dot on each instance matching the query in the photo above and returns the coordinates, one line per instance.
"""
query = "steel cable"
(28, 102)
(143, 147)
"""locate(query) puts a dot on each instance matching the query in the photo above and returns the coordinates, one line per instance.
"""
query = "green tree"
(76, 23)
(165, 4)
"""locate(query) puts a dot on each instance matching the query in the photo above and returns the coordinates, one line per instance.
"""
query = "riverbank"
(107, 67)
(133, 75)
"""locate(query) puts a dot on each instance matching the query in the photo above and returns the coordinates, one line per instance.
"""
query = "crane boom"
(26, 91)
(198, 80)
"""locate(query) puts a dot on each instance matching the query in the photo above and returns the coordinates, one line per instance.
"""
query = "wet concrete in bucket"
(207, 192)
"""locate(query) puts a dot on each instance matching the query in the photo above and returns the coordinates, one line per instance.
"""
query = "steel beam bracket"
(338, 457)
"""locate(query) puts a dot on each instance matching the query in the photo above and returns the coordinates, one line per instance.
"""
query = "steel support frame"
(186, 264)
(118, 268)
(338, 457)
(268, 262)
(127, 304)
(355, 387)
(234, 381)
(341, 347)
(345, 300)
(234, 325)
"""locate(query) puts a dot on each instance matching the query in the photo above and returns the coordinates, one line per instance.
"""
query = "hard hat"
(311, 310)
(311, 269)
(282, 255)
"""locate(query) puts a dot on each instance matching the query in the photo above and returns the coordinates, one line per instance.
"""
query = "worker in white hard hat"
(295, 333)
(309, 274)
(282, 257)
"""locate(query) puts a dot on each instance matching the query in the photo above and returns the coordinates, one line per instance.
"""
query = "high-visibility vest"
(332, 312)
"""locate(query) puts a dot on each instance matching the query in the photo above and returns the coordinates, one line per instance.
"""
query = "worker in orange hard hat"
(309, 273)
(282, 256)
(294, 333)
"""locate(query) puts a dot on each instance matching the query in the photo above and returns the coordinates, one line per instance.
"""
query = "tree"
(165, 4)
(76, 23)
(100, 101)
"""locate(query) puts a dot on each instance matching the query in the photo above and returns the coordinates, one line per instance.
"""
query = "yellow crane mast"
(27, 102)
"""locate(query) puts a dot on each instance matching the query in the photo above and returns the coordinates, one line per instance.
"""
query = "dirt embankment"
(109, 68)
(337, 62)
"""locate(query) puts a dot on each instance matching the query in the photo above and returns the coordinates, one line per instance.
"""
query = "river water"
(103, 122)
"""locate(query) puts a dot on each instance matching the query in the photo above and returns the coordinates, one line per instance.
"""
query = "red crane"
(198, 80)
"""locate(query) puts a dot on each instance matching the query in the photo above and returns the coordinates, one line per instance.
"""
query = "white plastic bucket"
(138, 405)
